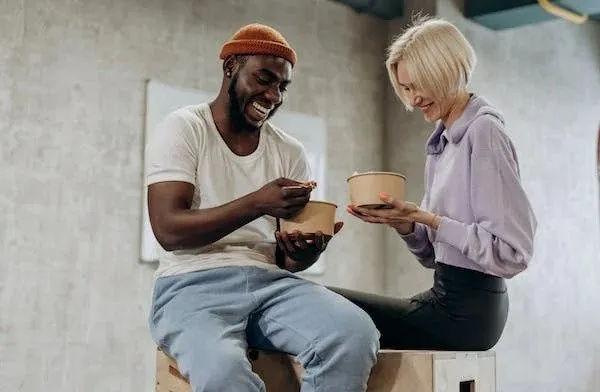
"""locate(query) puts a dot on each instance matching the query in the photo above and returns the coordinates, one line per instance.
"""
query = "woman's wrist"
(428, 218)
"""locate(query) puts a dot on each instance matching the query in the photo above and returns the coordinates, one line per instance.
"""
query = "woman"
(475, 225)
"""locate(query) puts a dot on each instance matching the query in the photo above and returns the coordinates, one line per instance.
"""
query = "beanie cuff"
(254, 47)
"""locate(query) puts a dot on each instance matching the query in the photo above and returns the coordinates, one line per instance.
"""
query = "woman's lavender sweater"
(472, 181)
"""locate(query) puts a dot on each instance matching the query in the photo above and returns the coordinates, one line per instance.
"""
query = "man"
(219, 174)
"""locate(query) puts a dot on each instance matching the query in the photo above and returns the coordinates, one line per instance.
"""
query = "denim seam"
(252, 294)
(310, 343)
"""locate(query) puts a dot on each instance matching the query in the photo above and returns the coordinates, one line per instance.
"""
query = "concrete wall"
(546, 80)
(73, 298)
(404, 151)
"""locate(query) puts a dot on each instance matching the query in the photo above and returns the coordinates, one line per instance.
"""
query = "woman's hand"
(400, 214)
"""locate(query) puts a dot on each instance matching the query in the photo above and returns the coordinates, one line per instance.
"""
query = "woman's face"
(424, 101)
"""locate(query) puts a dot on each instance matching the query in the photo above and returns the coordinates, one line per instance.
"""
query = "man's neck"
(240, 141)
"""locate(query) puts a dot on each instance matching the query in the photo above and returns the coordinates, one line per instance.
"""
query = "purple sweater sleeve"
(418, 244)
(501, 237)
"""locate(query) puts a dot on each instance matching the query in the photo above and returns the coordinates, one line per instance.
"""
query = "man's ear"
(230, 66)
(233, 63)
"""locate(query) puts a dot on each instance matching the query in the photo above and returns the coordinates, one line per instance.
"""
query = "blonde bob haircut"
(438, 58)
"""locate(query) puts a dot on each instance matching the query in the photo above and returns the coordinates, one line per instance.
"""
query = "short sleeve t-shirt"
(186, 146)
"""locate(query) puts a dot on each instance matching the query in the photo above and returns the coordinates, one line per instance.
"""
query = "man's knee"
(354, 334)
(220, 369)
(361, 334)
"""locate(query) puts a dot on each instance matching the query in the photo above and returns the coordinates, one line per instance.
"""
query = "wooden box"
(395, 371)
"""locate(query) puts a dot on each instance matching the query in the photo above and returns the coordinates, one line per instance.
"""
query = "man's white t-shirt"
(186, 146)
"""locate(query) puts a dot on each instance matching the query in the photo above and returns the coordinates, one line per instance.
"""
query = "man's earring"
(228, 74)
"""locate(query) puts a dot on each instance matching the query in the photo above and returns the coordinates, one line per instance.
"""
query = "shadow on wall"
(460, 5)
(595, 381)
(594, 40)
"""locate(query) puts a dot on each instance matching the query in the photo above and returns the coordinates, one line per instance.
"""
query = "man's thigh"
(200, 320)
(213, 300)
(295, 314)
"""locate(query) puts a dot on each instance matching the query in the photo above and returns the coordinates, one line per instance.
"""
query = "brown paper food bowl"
(364, 188)
(315, 216)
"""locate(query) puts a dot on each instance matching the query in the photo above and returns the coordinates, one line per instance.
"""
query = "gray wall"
(73, 298)
(404, 151)
(546, 80)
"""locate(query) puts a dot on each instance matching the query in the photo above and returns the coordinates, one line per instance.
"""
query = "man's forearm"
(187, 228)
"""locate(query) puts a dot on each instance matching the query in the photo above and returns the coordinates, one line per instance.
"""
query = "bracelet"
(428, 221)
(434, 218)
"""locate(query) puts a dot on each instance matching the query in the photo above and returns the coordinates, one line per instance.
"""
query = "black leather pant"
(465, 310)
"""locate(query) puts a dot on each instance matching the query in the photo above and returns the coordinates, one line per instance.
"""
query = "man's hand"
(282, 198)
(301, 250)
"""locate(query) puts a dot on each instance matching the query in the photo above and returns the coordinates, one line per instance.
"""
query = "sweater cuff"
(412, 239)
(452, 232)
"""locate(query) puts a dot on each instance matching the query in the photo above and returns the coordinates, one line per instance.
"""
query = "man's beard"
(236, 114)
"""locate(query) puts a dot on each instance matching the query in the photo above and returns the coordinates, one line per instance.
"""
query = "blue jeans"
(206, 321)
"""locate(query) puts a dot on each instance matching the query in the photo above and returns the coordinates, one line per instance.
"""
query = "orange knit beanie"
(258, 39)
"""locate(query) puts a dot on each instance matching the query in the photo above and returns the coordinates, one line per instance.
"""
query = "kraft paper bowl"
(315, 216)
(365, 188)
